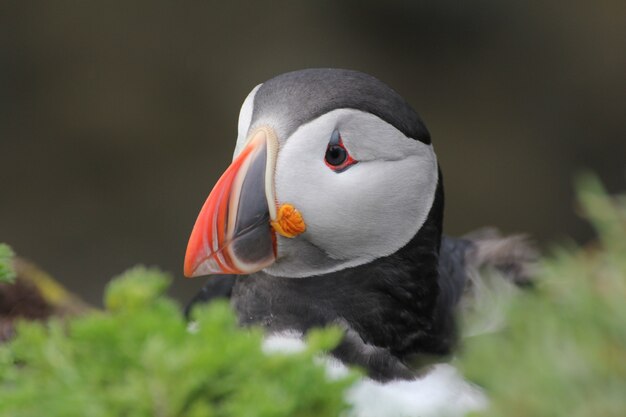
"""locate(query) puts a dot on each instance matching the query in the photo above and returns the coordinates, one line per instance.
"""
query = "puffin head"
(332, 169)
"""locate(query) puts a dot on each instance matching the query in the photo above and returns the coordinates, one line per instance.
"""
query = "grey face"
(367, 211)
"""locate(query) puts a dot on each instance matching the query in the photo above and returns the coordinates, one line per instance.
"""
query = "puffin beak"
(233, 234)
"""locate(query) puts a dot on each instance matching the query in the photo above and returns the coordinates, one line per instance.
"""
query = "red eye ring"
(337, 156)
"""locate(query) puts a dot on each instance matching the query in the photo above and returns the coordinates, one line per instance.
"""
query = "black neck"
(391, 302)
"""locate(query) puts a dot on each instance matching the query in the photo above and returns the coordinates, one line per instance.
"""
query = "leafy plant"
(139, 358)
(563, 352)
(7, 274)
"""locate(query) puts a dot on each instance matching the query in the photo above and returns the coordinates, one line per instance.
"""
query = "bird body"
(354, 165)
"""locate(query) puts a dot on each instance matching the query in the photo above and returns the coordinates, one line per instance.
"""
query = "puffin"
(331, 214)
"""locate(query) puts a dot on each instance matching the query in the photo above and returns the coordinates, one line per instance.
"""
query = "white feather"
(245, 118)
(289, 341)
(442, 392)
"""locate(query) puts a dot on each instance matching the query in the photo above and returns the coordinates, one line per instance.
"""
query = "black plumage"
(398, 310)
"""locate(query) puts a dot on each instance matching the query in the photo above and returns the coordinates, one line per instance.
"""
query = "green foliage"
(564, 350)
(135, 289)
(7, 274)
(139, 358)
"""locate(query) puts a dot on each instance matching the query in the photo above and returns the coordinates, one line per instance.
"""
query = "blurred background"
(117, 117)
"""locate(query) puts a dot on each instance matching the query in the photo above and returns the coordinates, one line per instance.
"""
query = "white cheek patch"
(368, 211)
(245, 118)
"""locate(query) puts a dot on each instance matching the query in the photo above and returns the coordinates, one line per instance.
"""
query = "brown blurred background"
(117, 117)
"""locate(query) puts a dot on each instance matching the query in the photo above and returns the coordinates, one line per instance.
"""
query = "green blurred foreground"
(139, 359)
(563, 352)
(7, 274)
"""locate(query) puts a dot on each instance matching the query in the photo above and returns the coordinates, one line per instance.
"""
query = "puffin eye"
(337, 157)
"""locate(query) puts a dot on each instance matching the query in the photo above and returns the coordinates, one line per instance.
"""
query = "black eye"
(336, 155)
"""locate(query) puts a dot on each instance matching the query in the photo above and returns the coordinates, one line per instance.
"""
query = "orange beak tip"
(207, 266)
(189, 268)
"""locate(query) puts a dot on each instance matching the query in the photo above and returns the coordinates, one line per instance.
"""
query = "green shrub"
(7, 274)
(563, 352)
(138, 358)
